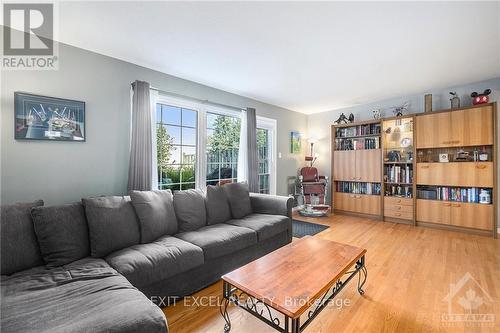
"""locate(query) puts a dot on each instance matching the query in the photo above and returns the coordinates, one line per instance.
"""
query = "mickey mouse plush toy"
(480, 98)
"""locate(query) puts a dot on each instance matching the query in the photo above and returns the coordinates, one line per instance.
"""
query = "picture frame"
(38, 117)
(295, 142)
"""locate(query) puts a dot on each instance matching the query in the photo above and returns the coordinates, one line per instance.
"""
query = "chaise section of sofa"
(84, 296)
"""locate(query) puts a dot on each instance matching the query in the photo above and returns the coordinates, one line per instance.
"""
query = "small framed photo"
(443, 158)
(295, 142)
(48, 118)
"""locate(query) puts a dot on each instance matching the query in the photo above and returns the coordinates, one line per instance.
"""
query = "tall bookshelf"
(398, 170)
(356, 168)
(430, 169)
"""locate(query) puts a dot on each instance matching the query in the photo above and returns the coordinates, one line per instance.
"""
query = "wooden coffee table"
(304, 275)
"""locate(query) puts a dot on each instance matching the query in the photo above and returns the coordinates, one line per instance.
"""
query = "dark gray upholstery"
(271, 204)
(148, 263)
(155, 210)
(190, 210)
(19, 247)
(113, 224)
(265, 225)
(84, 296)
(198, 278)
(62, 233)
(218, 210)
(220, 239)
(239, 199)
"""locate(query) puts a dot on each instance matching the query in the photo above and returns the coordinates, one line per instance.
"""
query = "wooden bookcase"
(357, 168)
(437, 194)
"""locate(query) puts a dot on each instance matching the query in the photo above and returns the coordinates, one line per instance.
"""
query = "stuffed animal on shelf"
(351, 118)
(480, 98)
(455, 100)
(398, 110)
(376, 114)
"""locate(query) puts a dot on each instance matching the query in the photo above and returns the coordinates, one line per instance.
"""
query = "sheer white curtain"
(243, 151)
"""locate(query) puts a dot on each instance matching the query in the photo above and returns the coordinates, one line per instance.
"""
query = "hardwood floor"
(410, 272)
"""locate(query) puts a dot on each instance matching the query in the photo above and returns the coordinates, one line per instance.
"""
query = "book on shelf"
(398, 173)
(358, 188)
(357, 130)
(357, 144)
(445, 193)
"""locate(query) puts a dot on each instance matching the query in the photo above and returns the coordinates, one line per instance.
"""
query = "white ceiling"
(304, 56)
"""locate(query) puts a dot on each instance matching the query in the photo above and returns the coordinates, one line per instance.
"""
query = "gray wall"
(61, 172)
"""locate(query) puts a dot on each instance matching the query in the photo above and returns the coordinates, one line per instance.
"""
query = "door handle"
(457, 205)
(398, 207)
(480, 166)
(447, 204)
(397, 214)
(424, 167)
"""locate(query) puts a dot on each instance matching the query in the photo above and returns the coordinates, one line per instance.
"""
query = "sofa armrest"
(271, 204)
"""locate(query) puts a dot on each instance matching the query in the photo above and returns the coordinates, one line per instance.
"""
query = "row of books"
(358, 130)
(359, 188)
(398, 174)
(357, 144)
(460, 194)
(399, 191)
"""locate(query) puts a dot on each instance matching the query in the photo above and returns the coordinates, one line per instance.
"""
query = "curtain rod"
(202, 101)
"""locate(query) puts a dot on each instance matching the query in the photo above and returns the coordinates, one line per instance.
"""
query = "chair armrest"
(271, 204)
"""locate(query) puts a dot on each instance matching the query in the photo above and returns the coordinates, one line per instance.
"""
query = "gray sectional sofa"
(101, 265)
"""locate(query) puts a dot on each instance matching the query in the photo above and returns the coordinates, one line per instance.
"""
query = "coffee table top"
(291, 278)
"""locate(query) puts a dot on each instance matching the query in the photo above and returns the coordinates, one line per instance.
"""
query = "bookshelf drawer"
(398, 208)
(398, 215)
(398, 201)
(357, 203)
(470, 174)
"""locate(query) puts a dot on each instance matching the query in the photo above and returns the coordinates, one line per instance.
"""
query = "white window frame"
(271, 125)
(201, 135)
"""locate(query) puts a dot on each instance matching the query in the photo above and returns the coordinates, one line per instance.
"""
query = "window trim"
(271, 125)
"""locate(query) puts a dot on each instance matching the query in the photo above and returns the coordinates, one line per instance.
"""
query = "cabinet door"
(368, 204)
(344, 165)
(472, 215)
(469, 174)
(433, 211)
(472, 127)
(344, 201)
(433, 130)
(368, 165)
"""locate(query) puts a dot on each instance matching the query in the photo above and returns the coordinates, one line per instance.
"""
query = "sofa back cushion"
(239, 199)
(18, 245)
(218, 210)
(155, 210)
(113, 224)
(190, 209)
(62, 233)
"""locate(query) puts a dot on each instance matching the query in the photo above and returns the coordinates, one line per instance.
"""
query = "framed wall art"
(48, 118)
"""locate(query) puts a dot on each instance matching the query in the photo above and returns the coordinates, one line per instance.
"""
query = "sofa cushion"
(84, 296)
(220, 239)
(144, 264)
(155, 210)
(113, 224)
(265, 225)
(62, 233)
(18, 245)
(239, 199)
(190, 209)
(218, 209)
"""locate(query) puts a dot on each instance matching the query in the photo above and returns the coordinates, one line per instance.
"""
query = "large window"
(223, 140)
(198, 145)
(176, 133)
